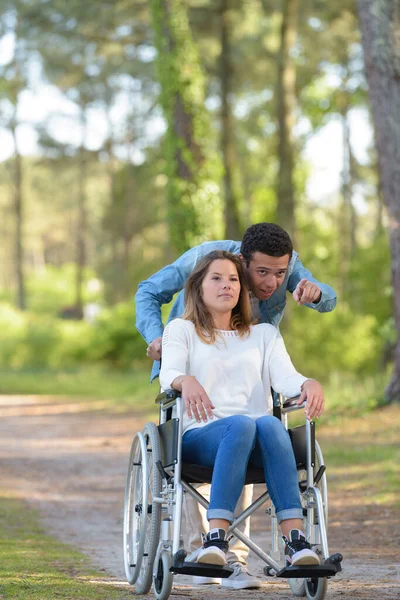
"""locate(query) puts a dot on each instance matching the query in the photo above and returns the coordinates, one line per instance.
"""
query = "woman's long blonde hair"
(197, 312)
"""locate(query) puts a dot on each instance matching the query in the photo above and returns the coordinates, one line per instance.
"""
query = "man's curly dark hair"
(267, 238)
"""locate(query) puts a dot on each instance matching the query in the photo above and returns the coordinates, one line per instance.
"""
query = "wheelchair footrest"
(201, 569)
(308, 572)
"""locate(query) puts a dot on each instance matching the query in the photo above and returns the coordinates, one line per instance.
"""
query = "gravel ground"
(69, 460)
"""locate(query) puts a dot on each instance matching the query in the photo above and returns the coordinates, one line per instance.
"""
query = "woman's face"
(221, 286)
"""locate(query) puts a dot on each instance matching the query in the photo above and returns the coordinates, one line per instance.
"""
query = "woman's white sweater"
(236, 372)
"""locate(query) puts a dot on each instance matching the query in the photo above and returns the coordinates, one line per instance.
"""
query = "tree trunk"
(285, 103)
(18, 211)
(380, 27)
(347, 217)
(81, 234)
(192, 169)
(231, 200)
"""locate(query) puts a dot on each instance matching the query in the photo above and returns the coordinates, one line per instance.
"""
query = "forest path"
(69, 459)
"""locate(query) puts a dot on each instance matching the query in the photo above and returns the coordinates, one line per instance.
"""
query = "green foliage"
(52, 289)
(115, 338)
(39, 341)
(371, 289)
(339, 341)
(149, 197)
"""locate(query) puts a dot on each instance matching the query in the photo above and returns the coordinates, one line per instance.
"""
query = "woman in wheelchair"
(224, 368)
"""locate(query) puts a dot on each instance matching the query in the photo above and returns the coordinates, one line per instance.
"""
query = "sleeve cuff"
(153, 334)
(168, 377)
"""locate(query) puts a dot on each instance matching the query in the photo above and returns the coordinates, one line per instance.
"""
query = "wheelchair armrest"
(290, 405)
(167, 399)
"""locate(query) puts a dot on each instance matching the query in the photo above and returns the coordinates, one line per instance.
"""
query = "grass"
(131, 388)
(362, 455)
(354, 395)
(35, 566)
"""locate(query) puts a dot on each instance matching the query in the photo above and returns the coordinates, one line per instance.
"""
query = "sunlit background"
(88, 189)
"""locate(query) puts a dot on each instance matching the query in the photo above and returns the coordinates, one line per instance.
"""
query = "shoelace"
(297, 545)
(238, 568)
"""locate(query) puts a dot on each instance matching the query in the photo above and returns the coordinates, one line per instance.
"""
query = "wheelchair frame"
(153, 548)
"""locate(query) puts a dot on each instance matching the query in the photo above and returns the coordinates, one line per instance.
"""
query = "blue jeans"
(228, 445)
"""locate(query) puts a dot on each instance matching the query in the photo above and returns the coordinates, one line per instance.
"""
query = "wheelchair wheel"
(322, 484)
(162, 576)
(298, 586)
(142, 517)
(316, 588)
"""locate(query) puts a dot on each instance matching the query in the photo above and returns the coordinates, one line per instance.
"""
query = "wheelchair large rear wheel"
(142, 517)
(298, 586)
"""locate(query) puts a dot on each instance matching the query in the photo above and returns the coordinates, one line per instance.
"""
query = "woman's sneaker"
(215, 548)
(298, 550)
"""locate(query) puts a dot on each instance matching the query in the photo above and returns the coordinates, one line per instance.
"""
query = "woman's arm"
(286, 380)
(174, 371)
(198, 404)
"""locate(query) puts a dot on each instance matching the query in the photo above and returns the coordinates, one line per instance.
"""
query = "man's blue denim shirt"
(160, 288)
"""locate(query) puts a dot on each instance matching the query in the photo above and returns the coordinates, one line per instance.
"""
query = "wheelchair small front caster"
(298, 587)
(316, 588)
(269, 571)
(162, 576)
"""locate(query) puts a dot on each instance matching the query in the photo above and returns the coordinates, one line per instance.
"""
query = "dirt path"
(70, 461)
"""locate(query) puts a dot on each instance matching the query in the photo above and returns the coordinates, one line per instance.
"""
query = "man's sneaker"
(240, 579)
(215, 548)
(298, 550)
(197, 580)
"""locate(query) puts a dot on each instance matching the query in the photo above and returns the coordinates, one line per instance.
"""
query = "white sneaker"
(197, 580)
(298, 551)
(240, 578)
(212, 556)
(214, 548)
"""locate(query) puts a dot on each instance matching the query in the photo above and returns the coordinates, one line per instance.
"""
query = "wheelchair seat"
(199, 474)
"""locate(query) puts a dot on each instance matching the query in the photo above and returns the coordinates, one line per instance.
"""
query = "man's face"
(266, 273)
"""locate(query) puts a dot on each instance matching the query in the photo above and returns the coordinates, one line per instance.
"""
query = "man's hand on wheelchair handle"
(306, 291)
(154, 349)
(312, 392)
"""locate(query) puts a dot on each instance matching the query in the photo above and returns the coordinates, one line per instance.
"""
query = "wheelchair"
(157, 479)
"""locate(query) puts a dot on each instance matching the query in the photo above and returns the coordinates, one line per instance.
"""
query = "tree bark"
(347, 217)
(18, 211)
(286, 103)
(81, 234)
(192, 167)
(231, 200)
(380, 27)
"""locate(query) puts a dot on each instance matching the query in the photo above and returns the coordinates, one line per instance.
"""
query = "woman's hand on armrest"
(198, 404)
(312, 391)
